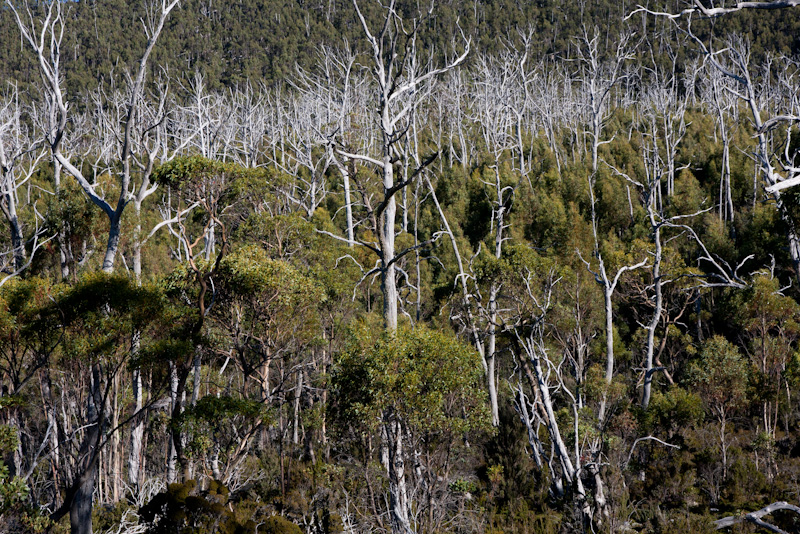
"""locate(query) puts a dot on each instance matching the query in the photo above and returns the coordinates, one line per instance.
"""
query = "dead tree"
(697, 7)
(20, 154)
(608, 283)
(599, 72)
(401, 77)
(551, 104)
(756, 518)
(249, 117)
(544, 369)
(778, 174)
(44, 38)
(716, 95)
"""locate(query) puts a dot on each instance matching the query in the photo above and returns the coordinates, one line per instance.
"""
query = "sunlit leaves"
(427, 378)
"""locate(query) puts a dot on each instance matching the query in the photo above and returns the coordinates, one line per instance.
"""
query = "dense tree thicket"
(233, 43)
(352, 267)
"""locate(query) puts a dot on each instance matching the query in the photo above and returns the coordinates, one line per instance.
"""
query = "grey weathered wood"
(756, 517)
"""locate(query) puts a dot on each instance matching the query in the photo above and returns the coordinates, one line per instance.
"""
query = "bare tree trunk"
(649, 371)
(298, 391)
(609, 312)
(348, 203)
(80, 512)
(80, 507)
(397, 479)
(112, 244)
(388, 278)
(172, 455)
(17, 239)
(136, 452)
(491, 342)
(533, 439)
(551, 423)
(65, 258)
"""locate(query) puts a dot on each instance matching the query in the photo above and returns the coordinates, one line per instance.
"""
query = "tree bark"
(651, 327)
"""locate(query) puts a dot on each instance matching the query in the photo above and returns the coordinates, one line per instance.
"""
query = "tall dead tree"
(400, 73)
(401, 76)
(500, 102)
(715, 91)
(600, 71)
(20, 154)
(44, 36)
(608, 282)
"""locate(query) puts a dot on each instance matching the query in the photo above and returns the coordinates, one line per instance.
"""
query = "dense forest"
(357, 267)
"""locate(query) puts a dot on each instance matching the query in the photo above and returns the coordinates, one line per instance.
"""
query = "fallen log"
(756, 517)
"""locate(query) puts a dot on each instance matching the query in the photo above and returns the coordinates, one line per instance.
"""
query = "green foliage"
(283, 236)
(13, 490)
(16, 512)
(427, 378)
(187, 509)
(720, 377)
(672, 411)
(204, 423)
(250, 272)
(281, 302)
(278, 525)
(188, 171)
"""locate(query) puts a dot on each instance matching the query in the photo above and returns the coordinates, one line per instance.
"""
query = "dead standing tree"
(501, 102)
(598, 76)
(20, 154)
(555, 401)
(608, 283)
(44, 38)
(402, 76)
(735, 67)
(715, 92)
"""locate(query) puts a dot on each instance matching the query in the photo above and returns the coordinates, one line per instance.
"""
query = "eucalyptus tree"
(44, 37)
(720, 377)
(424, 386)
(268, 309)
(208, 186)
(82, 337)
(769, 330)
(401, 74)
